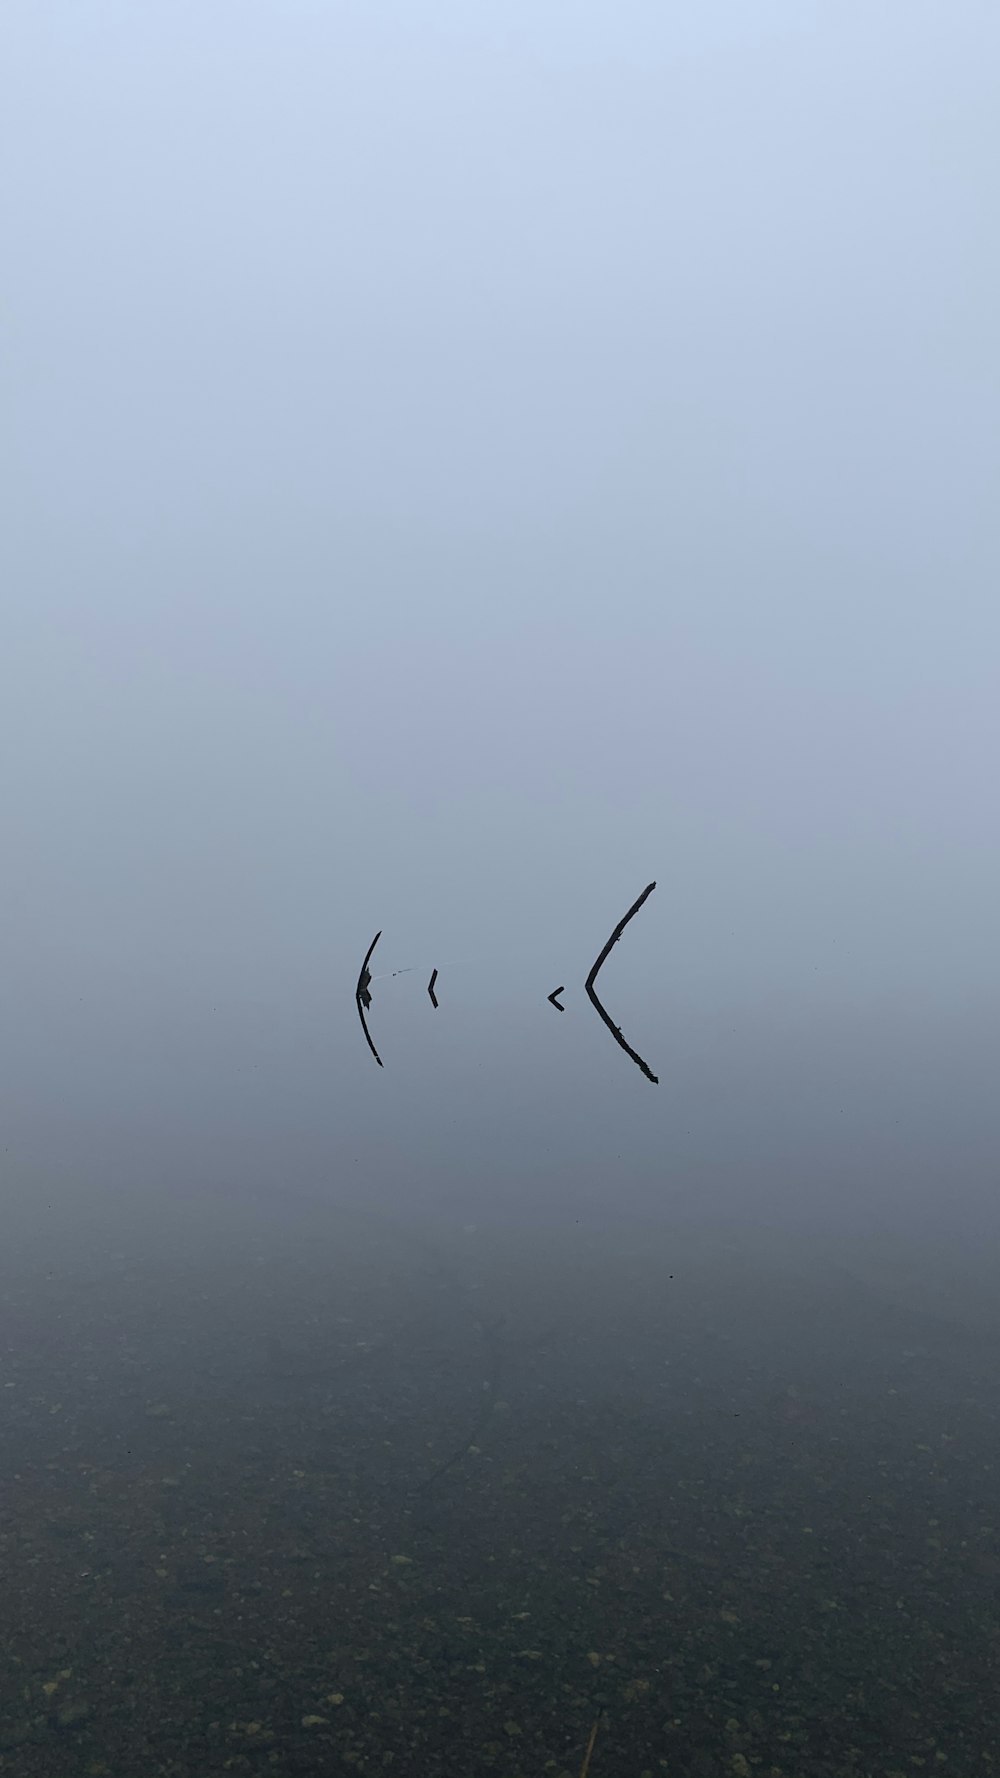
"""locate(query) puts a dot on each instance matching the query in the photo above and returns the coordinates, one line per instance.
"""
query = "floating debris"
(363, 997)
(592, 977)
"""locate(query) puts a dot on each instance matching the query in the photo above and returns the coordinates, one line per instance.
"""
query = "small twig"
(364, 975)
(363, 997)
(616, 935)
(592, 977)
(585, 1768)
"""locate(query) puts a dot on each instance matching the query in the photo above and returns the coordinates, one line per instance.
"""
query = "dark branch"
(363, 997)
(592, 977)
(616, 935)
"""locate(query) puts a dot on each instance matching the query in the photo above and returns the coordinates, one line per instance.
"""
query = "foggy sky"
(461, 462)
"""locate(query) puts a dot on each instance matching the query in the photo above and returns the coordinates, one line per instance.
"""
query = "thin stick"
(363, 998)
(592, 977)
(363, 974)
(585, 1768)
(616, 935)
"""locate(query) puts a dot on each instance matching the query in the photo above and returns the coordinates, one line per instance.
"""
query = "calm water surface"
(421, 1419)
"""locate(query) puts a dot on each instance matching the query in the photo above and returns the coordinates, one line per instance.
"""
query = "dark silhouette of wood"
(430, 987)
(592, 992)
(363, 997)
(585, 1768)
(553, 1001)
(616, 935)
(365, 974)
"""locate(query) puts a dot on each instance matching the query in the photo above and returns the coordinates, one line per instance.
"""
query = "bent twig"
(363, 997)
(592, 977)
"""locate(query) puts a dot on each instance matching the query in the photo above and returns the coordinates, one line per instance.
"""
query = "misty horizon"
(462, 464)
